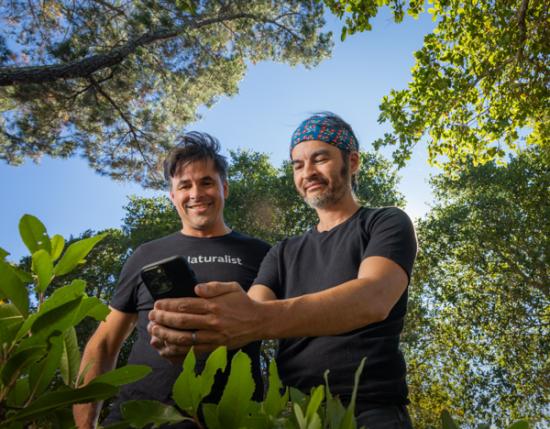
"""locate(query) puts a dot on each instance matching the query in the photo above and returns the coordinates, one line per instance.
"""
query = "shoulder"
(375, 217)
(149, 251)
(256, 243)
(159, 242)
(290, 245)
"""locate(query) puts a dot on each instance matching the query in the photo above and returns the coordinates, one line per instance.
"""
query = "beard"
(331, 194)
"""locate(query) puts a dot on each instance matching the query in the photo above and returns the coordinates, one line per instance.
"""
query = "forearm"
(340, 309)
(98, 360)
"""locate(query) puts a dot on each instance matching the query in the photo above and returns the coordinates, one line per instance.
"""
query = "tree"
(116, 82)
(480, 84)
(478, 338)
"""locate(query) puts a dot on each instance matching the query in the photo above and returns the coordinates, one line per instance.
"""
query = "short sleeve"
(391, 235)
(269, 273)
(125, 296)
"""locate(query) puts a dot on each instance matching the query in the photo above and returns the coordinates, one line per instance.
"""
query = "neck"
(215, 231)
(332, 216)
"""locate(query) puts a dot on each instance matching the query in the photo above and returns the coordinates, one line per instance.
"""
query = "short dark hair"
(195, 146)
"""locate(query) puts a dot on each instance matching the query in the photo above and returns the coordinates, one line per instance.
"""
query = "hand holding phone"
(169, 278)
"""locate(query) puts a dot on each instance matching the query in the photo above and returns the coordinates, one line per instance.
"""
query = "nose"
(195, 192)
(309, 169)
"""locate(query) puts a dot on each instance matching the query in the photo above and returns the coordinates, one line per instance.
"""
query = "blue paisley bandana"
(318, 128)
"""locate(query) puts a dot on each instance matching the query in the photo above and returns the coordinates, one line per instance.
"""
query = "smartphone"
(169, 278)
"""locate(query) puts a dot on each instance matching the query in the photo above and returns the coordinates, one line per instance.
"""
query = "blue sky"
(273, 98)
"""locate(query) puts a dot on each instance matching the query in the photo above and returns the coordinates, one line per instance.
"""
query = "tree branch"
(85, 67)
(112, 8)
(522, 28)
(131, 128)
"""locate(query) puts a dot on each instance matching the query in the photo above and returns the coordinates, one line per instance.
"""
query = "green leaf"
(316, 398)
(520, 424)
(300, 418)
(349, 417)
(59, 297)
(235, 401)
(75, 253)
(143, 412)
(190, 389)
(447, 421)
(274, 402)
(123, 375)
(315, 422)
(92, 307)
(42, 266)
(42, 373)
(58, 244)
(343, 34)
(19, 361)
(335, 411)
(34, 234)
(70, 357)
(298, 396)
(24, 276)
(10, 322)
(185, 386)
(62, 419)
(48, 402)
(20, 393)
(13, 288)
(3, 253)
(258, 421)
(58, 319)
(217, 361)
(210, 412)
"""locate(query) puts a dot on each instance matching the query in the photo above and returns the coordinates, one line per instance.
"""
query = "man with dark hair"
(332, 296)
(196, 173)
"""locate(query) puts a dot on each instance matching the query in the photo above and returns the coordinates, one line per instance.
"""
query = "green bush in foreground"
(282, 408)
(40, 358)
(39, 355)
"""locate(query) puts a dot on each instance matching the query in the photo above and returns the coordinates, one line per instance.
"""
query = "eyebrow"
(313, 155)
(202, 179)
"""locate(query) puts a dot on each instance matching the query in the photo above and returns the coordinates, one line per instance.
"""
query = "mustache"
(314, 181)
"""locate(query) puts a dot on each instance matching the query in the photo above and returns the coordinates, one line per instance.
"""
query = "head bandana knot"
(320, 128)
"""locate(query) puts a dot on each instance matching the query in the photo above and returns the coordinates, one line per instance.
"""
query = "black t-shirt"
(232, 257)
(317, 261)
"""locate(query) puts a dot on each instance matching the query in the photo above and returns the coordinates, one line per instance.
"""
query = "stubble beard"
(330, 196)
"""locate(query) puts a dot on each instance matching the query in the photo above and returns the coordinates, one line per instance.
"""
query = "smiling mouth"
(314, 186)
(199, 207)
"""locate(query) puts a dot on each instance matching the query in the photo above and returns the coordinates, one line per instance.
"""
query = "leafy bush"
(283, 408)
(39, 357)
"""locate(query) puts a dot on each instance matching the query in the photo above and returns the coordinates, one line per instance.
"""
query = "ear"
(171, 195)
(225, 189)
(354, 162)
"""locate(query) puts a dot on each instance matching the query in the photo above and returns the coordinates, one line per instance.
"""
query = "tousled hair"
(195, 146)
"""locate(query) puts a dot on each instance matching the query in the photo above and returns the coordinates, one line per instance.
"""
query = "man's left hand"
(222, 315)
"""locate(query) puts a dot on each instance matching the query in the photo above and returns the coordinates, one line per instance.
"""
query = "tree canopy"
(477, 336)
(480, 85)
(116, 82)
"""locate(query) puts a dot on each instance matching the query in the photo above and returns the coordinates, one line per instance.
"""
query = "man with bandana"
(332, 296)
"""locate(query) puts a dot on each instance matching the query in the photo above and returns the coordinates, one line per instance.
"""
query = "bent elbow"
(379, 315)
